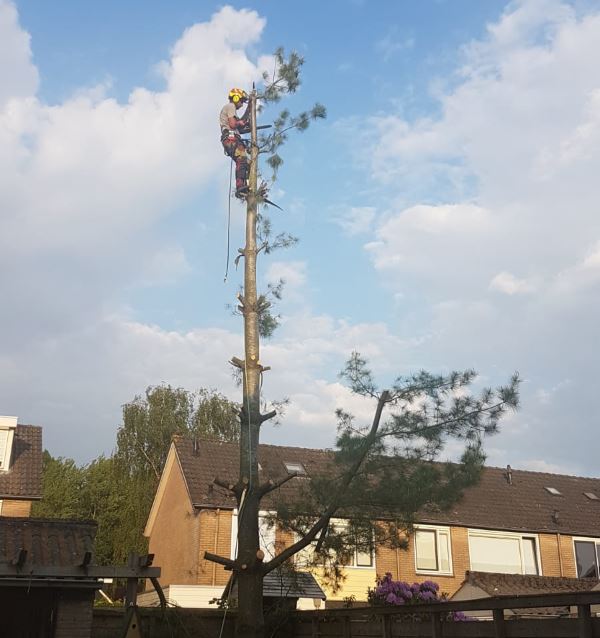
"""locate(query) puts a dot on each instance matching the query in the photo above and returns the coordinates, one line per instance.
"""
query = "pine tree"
(426, 411)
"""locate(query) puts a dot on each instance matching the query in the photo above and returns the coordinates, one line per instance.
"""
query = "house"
(20, 466)
(43, 588)
(512, 522)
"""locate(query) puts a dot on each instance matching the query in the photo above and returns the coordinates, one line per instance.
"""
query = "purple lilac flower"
(428, 596)
(430, 585)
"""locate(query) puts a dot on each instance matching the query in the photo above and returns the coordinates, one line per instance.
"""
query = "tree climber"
(231, 128)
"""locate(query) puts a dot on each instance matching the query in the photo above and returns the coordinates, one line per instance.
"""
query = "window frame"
(587, 539)
(7, 431)
(354, 564)
(509, 535)
(270, 552)
(436, 529)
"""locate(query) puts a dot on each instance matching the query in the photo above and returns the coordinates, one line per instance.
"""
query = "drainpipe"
(214, 573)
(560, 563)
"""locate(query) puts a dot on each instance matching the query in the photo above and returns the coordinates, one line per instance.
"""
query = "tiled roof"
(522, 585)
(23, 480)
(49, 542)
(521, 505)
(222, 460)
(526, 505)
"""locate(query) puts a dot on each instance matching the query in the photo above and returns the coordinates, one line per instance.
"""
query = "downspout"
(214, 574)
(397, 563)
(560, 563)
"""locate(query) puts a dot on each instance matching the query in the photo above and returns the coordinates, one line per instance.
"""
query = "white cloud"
(83, 186)
(292, 272)
(392, 43)
(166, 266)
(509, 284)
(356, 219)
(512, 160)
(18, 76)
(83, 183)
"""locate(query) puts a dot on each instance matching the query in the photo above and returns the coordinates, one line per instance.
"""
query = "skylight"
(591, 496)
(294, 468)
(553, 491)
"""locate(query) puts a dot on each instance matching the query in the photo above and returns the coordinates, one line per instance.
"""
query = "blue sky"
(447, 209)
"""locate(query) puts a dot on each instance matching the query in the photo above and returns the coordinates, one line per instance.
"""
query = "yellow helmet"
(237, 95)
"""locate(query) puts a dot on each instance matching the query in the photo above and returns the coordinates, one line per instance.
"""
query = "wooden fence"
(379, 622)
(388, 622)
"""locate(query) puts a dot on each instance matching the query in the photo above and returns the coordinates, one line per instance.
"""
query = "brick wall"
(214, 537)
(401, 562)
(74, 615)
(173, 540)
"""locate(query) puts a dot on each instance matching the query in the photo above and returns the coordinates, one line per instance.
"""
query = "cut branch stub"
(238, 363)
(220, 560)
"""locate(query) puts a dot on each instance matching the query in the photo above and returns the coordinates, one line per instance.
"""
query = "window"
(3, 448)
(591, 496)
(553, 491)
(360, 555)
(504, 553)
(8, 425)
(586, 557)
(294, 468)
(266, 534)
(432, 550)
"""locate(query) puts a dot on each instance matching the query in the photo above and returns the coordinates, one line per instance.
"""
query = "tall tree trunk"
(250, 622)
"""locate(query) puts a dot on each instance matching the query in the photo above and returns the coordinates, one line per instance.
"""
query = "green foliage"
(267, 321)
(284, 80)
(385, 473)
(62, 483)
(151, 421)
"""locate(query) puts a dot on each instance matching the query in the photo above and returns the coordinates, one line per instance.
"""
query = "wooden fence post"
(387, 627)
(436, 625)
(346, 627)
(132, 583)
(584, 621)
(499, 628)
(315, 627)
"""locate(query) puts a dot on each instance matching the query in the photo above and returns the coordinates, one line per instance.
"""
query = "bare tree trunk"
(250, 622)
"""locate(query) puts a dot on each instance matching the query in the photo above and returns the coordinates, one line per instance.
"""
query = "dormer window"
(295, 468)
(553, 491)
(8, 425)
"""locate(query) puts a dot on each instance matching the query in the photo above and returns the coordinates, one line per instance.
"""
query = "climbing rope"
(228, 221)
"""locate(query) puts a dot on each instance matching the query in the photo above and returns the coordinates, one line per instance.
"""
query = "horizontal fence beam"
(567, 599)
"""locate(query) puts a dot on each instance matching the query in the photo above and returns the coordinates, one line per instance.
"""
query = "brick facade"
(214, 537)
(401, 562)
(74, 614)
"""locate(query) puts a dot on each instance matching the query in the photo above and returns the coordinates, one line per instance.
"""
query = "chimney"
(509, 474)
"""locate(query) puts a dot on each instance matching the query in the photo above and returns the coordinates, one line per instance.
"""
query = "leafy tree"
(149, 423)
(62, 482)
(392, 457)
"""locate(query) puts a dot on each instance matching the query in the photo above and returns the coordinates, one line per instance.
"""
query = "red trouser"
(234, 148)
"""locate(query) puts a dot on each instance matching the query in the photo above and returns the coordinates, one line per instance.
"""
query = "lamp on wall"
(317, 603)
